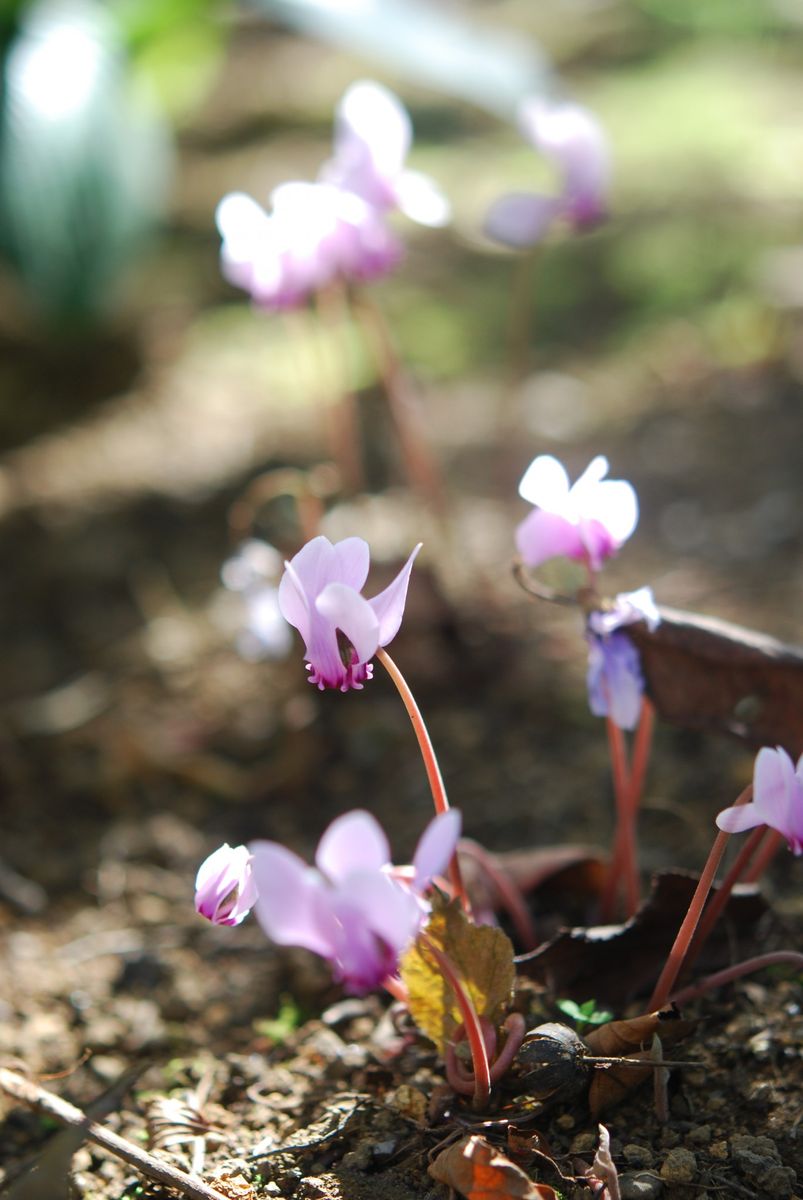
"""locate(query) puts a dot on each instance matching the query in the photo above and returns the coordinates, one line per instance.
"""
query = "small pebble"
(638, 1156)
(565, 1121)
(584, 1143)
(718, 1150)
(640, 1185)
(680, 1166)
(700, 1136)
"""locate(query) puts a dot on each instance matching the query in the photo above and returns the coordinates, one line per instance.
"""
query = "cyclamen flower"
(588, 521)
(315, 233)
(614, 679)
(253, 572)
(777, 799)
(320, 595)
(353, 908)
(224, 887)
(373, 134)
(573, 140)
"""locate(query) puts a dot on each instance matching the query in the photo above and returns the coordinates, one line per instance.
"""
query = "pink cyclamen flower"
(588, 521)
(614, 679)
(224, 887)
(777, 799)
(320, 595)
(315, 233)
(353, 907)
(574, 142)
(373, 135)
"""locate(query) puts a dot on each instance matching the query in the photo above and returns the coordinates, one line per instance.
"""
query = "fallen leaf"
(482, 956)
(703, 673)
(615, 963)
(629, 1039)
(479, 1171)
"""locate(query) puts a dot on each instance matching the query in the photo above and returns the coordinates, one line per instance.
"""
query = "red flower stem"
(510, 896)
(396, 988)
(765, 856)
(471, 1023)
(673, 964)
(624, 856)
(642, 746)
(344, 426)
(713, 910)
(736, 972)
(422, 470)
(430, 763)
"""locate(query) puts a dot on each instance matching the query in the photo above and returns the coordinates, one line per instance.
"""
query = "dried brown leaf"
(629, 1039)
(479, 1171)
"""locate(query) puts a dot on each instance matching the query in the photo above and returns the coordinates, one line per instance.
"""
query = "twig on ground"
(37, 1098)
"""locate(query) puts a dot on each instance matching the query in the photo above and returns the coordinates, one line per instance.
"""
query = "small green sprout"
(583, 1014)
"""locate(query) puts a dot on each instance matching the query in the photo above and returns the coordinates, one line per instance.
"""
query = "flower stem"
(765, 856)
(396, 988)
(715, 907)
(430, 763)
(471, 1023)
(677, 954)
(736, 972)
(623, 863)
(422, 470)
(508, 894)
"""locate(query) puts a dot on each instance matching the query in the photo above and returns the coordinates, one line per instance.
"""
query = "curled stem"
(474, 1031)
(776, 958)
(433, 771)
(677, 954)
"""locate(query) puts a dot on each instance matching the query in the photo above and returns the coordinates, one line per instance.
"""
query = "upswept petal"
(420, 199)
(372, 114)
(242, 223)
(312, 568)
(585, 485)
(293, 601)
(353, 842)
(351, 561)
(388, 606)
(543, 535)
(739, 817)
(360, 960)
(390, 911)
(287, 905)
(344, 609)
(545, 483)
(435, 848)
(520, 219)
(773, 781)
(617, 508)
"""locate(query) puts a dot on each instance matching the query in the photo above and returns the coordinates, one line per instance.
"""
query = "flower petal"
(520, 219)
(287, 904)
(304, 578)
(739, 817)
(391, 911)
(388, 606)
(543, 535)
(617, 508)
(371, 114)
(344, 609)
(352, 558)
(435, 848)
(224, 887)
(545, 484)
(420, 199)
(353, 842)
(614, 679)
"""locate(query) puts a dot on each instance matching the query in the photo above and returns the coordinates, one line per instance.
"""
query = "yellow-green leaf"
(481, 955)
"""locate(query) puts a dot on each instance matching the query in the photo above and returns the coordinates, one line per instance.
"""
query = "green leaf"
(482, 957)
(585, 1013)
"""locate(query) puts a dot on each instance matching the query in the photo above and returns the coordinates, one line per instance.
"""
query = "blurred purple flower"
(353, 908)
(573, 140)
(777, 799)
(253, 572)
(224, 887)
(614, 678)
(587, 522)
(372, 139)
(320, 595)
(315, 233)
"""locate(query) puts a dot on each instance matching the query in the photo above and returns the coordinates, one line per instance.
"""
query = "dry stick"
(674, 962)
(422, 469)
(430, 763)
(35, 1097)
(776, 958)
